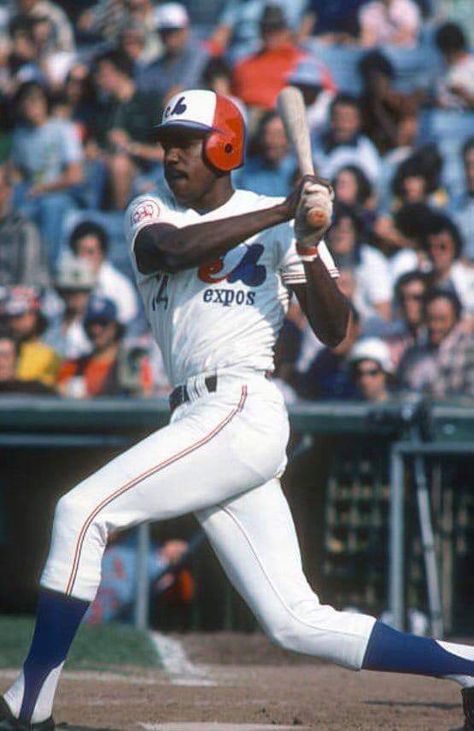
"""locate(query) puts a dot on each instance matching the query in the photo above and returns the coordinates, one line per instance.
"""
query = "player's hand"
(314, 211)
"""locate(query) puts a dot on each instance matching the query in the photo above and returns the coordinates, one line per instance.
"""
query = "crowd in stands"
(389, 91)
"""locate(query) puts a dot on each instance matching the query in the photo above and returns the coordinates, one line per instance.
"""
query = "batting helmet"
(214, 114)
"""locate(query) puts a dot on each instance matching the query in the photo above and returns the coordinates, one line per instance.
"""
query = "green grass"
(97, 647)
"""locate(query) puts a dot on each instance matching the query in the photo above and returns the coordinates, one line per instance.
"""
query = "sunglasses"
(101, 321)
(367, 372)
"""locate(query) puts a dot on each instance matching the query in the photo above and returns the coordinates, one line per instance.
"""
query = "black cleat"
(8, 722)
(468, 707)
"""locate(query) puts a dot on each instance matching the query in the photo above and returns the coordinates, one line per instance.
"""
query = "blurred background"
(389, 90)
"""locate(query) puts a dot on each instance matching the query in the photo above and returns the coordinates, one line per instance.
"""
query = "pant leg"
(255, 540)
(216, 447)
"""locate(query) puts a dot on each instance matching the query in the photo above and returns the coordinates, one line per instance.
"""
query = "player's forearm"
(170, 249)
(327, 309)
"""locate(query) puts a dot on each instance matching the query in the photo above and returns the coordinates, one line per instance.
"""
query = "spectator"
(328, 375)
(60, 36)
(101, 372)
(89, 240)
(47, 158)
(373, 287)
(417, 179)
(258, 78)
(371, 369)
(74, 282)
(395, 22)
(127, 130)
(9, 382)
(143, 13)
(315, 83)
(410, 292)
(23, 63)
(269, 170)
(103, 20)
(344, 144)
(462, 207)
(37, 361)
(401, 237)
(132, 43)
(22, 259)
(217, 76)
(444, 366)
(383, 108)
(333, 22)
(238, 30)
(183, 60)
(353, 188)
(456, 87)
(443, 245)
(115, 596)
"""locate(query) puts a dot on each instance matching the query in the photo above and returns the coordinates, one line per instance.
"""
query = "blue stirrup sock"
(398, 652)
(57, 621)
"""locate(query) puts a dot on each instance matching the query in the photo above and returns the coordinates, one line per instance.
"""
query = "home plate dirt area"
(239, 682)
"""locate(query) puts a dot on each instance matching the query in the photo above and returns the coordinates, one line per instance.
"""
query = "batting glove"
(318, 195)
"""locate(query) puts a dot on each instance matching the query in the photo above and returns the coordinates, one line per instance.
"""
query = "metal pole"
(142, 585)
(429, 551)
(397, 537)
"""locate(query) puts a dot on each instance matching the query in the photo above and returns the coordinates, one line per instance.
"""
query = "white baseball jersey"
(228, 313)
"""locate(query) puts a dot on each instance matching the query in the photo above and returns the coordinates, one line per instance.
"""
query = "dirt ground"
(243, 679)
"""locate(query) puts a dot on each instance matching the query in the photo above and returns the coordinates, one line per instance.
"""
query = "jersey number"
(161, 296)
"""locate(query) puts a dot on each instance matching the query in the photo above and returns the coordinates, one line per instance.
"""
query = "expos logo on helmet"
(216, 115)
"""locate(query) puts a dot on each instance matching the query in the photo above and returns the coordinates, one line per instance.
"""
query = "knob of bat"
(317, 218)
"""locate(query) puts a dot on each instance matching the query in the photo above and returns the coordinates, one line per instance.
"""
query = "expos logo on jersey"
(238, 265)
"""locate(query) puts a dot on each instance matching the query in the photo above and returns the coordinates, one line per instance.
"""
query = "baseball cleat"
(8, 722)
(468, 707)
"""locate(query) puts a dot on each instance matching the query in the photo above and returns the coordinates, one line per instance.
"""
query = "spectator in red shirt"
(259, 77)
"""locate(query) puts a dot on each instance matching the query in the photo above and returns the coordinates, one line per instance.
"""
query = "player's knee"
(69, 509)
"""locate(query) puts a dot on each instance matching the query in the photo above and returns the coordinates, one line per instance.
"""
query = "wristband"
(307, 253)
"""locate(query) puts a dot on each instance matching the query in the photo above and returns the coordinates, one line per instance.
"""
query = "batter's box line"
(176, 663)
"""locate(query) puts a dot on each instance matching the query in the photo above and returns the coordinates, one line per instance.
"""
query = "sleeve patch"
(144, 210)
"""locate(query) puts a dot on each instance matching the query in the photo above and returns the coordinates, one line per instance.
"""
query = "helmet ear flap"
(224, 147)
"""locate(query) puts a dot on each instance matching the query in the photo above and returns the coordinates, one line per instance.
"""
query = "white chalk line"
(177, 664)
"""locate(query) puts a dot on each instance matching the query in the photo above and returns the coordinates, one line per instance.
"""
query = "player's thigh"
(208, 454)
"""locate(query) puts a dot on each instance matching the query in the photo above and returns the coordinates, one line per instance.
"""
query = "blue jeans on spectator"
(48, 212)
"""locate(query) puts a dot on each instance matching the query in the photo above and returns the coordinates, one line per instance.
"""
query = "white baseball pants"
(220, 457)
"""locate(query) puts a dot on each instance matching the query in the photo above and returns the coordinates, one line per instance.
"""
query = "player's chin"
(179, 187)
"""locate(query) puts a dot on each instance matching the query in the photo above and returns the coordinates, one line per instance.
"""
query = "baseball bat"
(291, 108)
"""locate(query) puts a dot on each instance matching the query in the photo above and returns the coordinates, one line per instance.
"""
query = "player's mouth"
(172, 175)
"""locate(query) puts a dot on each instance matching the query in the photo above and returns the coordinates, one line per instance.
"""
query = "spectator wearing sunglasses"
(371, 369)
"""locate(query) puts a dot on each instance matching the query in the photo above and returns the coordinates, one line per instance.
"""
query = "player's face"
(186, 171)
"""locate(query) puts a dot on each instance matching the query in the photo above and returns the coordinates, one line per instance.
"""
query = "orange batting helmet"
(214, 114)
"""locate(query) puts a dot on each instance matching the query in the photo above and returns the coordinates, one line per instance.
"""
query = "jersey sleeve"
(292, 268)
(145, 210)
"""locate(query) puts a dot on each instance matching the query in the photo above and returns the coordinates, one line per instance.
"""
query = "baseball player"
(215, 267)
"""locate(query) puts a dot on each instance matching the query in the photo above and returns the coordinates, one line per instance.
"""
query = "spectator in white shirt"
(395, 22)
(90, 240)
(344, 144)
(373, 289)
(444, 245)
(456, 86)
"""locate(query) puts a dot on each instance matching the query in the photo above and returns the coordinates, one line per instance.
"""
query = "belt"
(180, 394)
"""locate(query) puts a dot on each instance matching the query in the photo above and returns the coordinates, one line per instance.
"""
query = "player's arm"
(327, 309)
(164, 247)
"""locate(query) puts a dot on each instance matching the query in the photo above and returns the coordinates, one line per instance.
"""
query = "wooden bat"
(291, 108)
